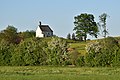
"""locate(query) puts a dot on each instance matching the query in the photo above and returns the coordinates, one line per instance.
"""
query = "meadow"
(58, 73)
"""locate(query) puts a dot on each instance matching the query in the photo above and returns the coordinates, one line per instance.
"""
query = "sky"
(58, 14)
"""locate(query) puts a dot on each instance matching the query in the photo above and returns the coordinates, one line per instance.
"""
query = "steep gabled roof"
(45, 28)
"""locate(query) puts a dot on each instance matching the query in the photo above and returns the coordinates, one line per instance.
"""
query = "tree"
(85, 24)
(10, 34)
(73, 36)
(79, 35)
(102, 23)
(69, 36)
(27, 34)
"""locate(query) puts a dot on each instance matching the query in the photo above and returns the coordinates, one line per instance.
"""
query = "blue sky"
(59, 14)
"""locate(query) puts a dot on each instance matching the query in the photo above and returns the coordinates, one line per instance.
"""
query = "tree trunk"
(85, 37)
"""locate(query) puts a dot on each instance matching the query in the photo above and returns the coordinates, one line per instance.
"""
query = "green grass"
(79, 46)
(58, 73)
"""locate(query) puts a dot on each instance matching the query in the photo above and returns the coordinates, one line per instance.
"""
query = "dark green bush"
(5, 53)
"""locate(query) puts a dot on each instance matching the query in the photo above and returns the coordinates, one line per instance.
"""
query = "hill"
(80, 45)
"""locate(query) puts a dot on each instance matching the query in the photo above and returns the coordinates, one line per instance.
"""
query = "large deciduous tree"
(10, 34)
(85, 24)
(102, 23)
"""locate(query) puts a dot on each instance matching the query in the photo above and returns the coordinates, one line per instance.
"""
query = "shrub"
(57, 51)
(5, 53)
(34, 51)
(102, 52)
(29, 52)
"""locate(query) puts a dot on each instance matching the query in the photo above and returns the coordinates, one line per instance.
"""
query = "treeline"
(85, 24)
(11, 35)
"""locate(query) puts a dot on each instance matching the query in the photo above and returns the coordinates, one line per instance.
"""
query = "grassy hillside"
(80, 46)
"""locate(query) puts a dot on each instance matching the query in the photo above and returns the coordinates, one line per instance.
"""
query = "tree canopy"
(85, 24)
(9, 34)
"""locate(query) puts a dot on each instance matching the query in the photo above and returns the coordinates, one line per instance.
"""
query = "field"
(58, 73)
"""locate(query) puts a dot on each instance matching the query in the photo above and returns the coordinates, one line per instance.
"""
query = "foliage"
(102, 23)
(85, 24)
(81, 61)
(5, 53)
(54, 51)
(73, 37)
(57, 51)
(69, 36)
(34, 51)
(27, 34)
(29, 52)
(10, 34)
(103, 53)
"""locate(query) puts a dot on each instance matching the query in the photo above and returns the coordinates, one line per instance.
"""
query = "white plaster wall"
(39, 32)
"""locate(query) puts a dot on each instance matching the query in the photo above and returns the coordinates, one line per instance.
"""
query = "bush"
(102, 52)
(29, 52)
(5, 53)
(57, 51)
(34, 51)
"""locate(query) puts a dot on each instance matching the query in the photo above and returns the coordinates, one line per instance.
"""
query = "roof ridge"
(45, 28)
